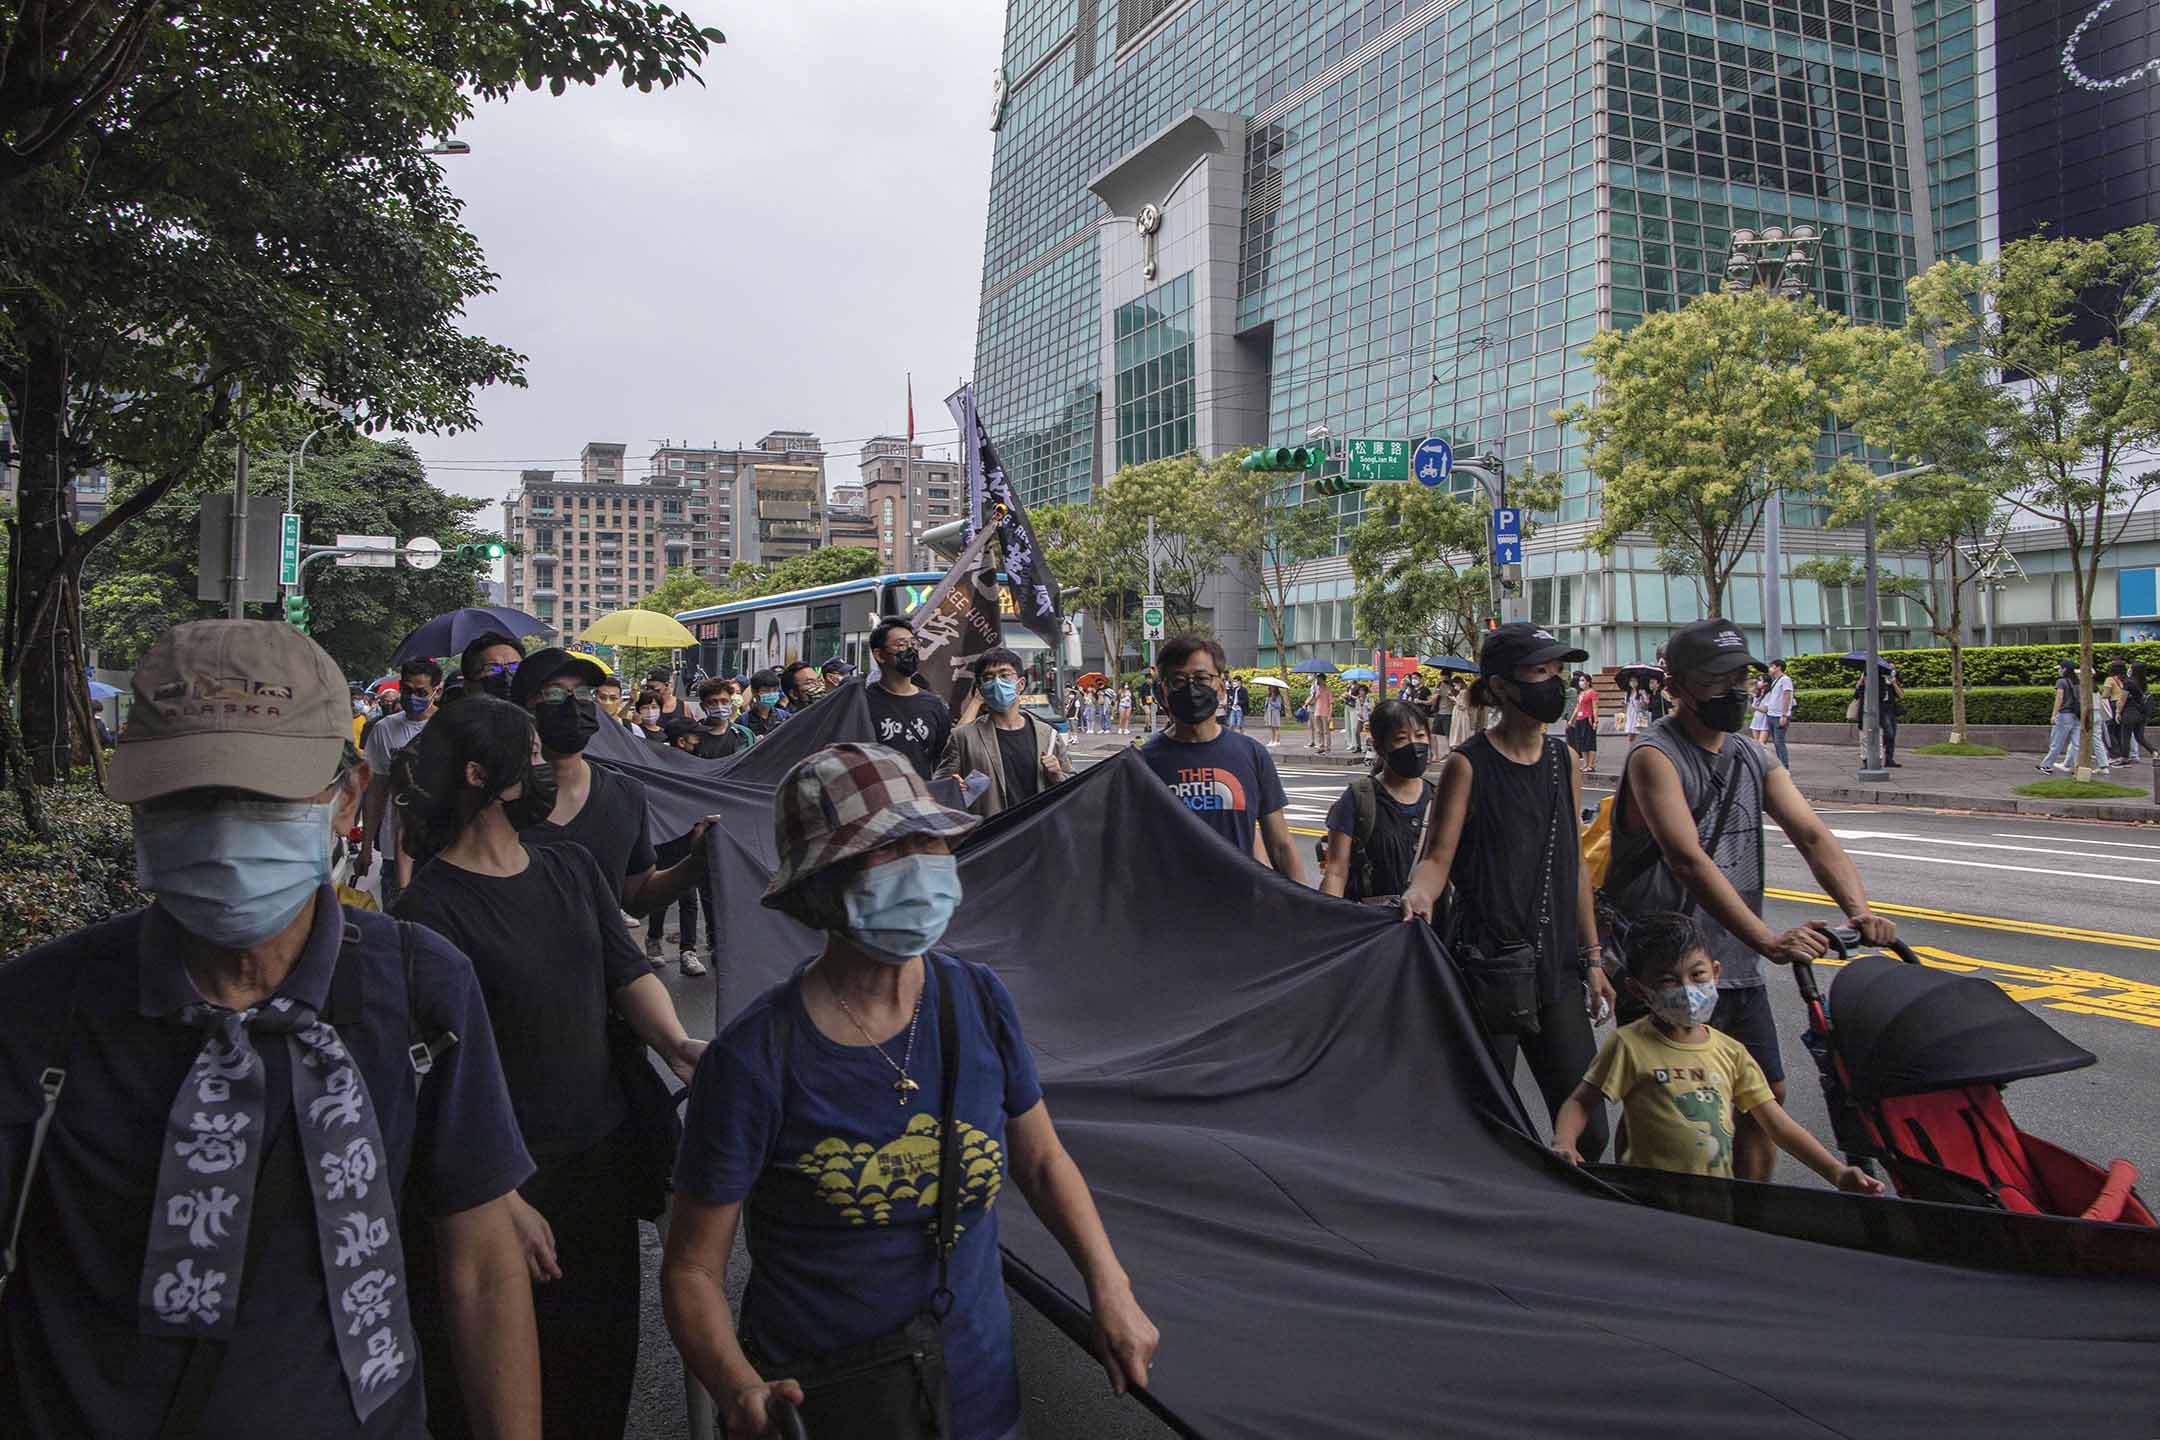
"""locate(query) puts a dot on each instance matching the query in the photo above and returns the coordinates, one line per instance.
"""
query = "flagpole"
(907, 475)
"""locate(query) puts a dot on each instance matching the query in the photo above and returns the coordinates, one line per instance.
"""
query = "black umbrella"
(1905, 1029)
(450, 633)
(1454, 663)
(1640, 672)
(1858, 660)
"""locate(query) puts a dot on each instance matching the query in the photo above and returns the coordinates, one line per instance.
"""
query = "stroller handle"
(787, 1421)
(1844, 939)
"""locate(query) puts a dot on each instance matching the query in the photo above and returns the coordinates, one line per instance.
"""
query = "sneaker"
(691, 965)
(2045, 769)
(630, 921)
(653, 955)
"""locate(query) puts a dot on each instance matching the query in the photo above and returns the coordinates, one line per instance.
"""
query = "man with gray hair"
(210, 1108)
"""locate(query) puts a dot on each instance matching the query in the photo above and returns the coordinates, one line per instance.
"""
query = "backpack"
(1365, 810)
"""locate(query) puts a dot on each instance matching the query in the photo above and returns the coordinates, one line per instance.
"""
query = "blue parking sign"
(1507, 536)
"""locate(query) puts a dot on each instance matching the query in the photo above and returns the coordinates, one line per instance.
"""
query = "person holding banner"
(1022, 756)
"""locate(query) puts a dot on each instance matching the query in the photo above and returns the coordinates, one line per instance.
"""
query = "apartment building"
(906, 496)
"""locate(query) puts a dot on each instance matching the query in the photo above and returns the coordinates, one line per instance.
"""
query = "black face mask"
(1543, 702)
(565, 725)
(1409, 761)
(535, 802)
(1727, 712)
(906, 662)
(1192, 704)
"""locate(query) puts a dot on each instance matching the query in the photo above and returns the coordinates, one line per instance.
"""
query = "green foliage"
(144, 580)
(1984, 665)
(1702, 414)
(78, 873)
(1100, 571)
(1269, 539)
(2067, 789)
(1194, 504)
(1984, 705)
(1420, 561)
(1960, 747)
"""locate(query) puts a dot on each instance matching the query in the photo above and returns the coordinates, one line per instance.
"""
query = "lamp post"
(1784, 265)
(1492, 480)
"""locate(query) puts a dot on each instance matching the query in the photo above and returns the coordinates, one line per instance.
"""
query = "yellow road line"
(1301, 830)
(2057, 987)
(1984, 922)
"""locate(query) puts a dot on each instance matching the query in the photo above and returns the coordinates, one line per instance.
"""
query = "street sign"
(1378, 461)
(422, 552)
(384, 548)
(289, 550)
(1507, 536)
(1151, 616)
(1433, 462)
(213, 562)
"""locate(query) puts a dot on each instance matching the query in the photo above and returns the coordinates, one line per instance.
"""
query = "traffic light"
(296, 612)
(481, 550)
(1336, 485)
(1287, 457)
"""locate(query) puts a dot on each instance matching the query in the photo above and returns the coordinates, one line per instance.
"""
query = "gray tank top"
(1739, 851)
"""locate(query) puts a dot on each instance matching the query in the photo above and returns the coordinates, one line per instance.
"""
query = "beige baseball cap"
(250, 704)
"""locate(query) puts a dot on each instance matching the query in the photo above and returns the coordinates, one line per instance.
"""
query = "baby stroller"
(1913, 1062)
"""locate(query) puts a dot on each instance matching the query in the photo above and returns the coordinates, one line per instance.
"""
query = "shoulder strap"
(1726, 776)
(1365, 802)
(948, 1190)
(52, 1080)
(426, 1047)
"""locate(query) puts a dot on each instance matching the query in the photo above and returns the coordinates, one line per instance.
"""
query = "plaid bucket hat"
(845, 801)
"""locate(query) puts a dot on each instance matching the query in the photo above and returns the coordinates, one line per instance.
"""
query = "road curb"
(2133, 812)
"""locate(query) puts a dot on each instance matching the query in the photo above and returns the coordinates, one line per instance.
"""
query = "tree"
(2070, 323)
(1101, 576)
(1421, 561)
(1186, 498)
(1269, 540)
(210, 209)
(678, 590)
(144, 581)
(1704, 414)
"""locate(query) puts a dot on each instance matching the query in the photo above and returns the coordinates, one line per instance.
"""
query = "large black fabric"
(1327, 1198)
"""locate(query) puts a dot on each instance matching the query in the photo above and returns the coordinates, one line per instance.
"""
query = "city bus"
(745, 636)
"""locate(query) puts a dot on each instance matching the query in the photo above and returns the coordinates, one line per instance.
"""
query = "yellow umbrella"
(644, 629)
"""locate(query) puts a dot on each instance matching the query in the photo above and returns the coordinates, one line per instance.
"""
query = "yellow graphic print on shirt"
(867, 1183)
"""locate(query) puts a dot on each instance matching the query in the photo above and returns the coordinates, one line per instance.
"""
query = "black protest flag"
(958, 622)
(992, 504)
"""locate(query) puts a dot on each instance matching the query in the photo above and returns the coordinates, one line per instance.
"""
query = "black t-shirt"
(759, 722)
(1023, 767)
(916, 725)
(611, 827)
(547, 1003)
(1394, 839)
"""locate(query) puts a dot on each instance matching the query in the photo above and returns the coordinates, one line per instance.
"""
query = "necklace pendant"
(905, 1089)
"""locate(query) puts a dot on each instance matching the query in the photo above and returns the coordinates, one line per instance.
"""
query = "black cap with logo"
(1711, 647)
(1509, 647)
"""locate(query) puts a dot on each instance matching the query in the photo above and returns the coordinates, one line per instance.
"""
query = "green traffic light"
(1287, 457)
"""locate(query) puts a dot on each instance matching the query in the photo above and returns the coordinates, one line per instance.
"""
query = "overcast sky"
(775, 249)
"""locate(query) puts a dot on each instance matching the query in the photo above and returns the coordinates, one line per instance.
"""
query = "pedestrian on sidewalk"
(1582, 732)
(1759, 711)
(1240, 700)
(1374, 827)
(2137, 710)
(2063, 736)
(1635, 709)
(1274, 715)
(1321, 708)
(1779, 705)
(1657, 705)
(2114, 697)
(1124, 709)
(1468, 719)
(1357, 715)
(1148, 694)
(1505, 832)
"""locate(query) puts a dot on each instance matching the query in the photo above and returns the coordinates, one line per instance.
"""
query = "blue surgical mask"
(1001, 694)
(1685, 1006)
(416, 705)
(898, 910)
(768, 698)
(235, 875)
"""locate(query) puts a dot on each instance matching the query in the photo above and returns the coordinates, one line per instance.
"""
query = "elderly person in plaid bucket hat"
(823, 1106)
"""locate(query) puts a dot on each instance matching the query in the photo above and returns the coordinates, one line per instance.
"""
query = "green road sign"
(1151, 616)
(289, 551)
(1378, 462)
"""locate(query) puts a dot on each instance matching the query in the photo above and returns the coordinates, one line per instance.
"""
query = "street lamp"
(1784, 265)
(1492, 482)
(1871, 754)
(447, 147)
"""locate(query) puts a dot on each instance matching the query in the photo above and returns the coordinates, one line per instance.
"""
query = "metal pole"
(292, 464)
(236, 568)
(1773, 561)
(1871, 760)
(1987, 604)
(1149, 645)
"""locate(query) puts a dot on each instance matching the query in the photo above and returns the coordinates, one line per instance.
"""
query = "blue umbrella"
(1361, 673)
(1313, 667)
(1453, 663)
(450, 633)
(99, 690)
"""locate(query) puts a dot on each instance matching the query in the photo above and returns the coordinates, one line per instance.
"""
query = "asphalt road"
(2065, 915)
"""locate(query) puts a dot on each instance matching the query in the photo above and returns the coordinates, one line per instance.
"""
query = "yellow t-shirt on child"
(1679, 1099)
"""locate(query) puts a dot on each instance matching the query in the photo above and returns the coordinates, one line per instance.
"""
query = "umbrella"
(1313, 667)
(1090, 680)
(1360, 673)
(645, 629)
(99, 690)
(449, 633)
(1858, 660)
(1453, 663)
(380, 681)
(1640, 672)
(1269, 681)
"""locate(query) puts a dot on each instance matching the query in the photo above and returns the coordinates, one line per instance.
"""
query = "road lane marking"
(2059, 854)
(2056, 987)
(2077, 839)
(2013, 869)
(2035, 928)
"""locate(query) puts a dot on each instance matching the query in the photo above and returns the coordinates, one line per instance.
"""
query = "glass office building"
(1221, 222)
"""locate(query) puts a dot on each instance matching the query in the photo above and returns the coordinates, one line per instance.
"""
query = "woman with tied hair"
(548, 946)
(819, 1111)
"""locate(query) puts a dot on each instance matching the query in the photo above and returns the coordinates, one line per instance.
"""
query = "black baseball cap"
(680, 726)
(541, 666)
(836, 666)
(1713, 647)
(1509, 647)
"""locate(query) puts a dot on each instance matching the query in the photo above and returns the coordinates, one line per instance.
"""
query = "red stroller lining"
(1969, 1131)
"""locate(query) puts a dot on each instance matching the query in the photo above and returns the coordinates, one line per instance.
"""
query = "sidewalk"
(1824, 773)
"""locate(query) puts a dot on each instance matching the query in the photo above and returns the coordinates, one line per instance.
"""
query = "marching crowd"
(276, 1159)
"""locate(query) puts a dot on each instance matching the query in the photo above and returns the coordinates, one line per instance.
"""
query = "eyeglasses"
(489, 672)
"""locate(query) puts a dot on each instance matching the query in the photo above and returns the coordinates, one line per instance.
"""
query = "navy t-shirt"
(72, 1361)
(1229, 782)
(841, 1181)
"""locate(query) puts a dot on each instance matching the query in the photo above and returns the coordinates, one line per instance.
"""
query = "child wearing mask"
(1677, 1081)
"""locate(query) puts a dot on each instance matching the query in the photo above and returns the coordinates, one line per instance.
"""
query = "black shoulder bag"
(1503, 974)
(894, 1387)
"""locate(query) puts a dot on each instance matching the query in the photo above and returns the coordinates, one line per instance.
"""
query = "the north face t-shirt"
(1229, 782)
(1679, 1098)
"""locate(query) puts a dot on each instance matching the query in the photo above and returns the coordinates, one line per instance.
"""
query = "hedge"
(1984, 705)
(1984, 664)
(83, 872)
